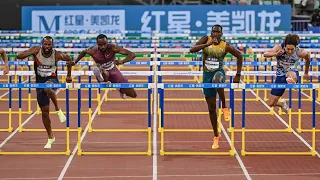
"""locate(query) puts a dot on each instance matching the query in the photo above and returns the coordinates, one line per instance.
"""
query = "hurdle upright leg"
(68, 151)
(243, 117)
(79, 120)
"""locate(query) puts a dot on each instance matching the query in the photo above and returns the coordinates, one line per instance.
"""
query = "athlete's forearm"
(81, 55)
(197, 48)
(269, 54)
(4, 57)
(239, 64)
(307, 66)
(69, 68)
(24, 54)
(129, 57)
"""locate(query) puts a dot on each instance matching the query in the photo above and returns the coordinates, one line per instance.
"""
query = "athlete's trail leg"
(129, 92)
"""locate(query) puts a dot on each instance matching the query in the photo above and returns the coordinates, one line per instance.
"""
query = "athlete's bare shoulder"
(35, 49)
(90, 50)
(202, 40)
(61, 56)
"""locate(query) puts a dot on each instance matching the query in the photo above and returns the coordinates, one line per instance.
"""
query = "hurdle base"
(119, 112)
(16, 112)
(35, 153)
(186, 130)
(44, 130)
(244, 153)
(262, 130)
(207, 113)
(71, 112)
(118, 130)
(113, 153)
(7, 130)
(230, 153)
(120, 99)
(307, 130)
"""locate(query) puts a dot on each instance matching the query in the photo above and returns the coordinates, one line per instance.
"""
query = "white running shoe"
(49, 143)
(285, 107)
(61, 116)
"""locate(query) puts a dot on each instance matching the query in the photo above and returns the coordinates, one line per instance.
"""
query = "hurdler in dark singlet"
(106, 71)
(105, 63)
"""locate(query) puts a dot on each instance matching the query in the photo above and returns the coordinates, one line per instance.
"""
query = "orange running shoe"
(226, 114)
(215, 144)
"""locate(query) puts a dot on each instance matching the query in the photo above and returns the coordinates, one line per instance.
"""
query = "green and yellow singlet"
(213, 56)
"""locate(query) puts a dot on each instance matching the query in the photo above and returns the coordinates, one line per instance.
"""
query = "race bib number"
(212, 63)
(44, 71)
(287, 65)
(107, 66)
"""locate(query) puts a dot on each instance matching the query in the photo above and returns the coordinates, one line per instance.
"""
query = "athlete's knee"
(217, 78)
(45, 115)
(48, 90)
(273, 101)
(292, 75)
(270, 103)
(132, 93)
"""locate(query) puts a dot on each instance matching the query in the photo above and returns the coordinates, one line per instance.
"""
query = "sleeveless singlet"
(105, 59)
(45, 67)
(213, 56)
(286, 62)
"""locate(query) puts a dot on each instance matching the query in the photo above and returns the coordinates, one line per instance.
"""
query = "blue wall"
(79, 19)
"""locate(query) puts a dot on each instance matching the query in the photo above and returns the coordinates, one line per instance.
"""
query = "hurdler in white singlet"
(47, 66)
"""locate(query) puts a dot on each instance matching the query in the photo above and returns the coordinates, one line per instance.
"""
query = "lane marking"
(74, 152)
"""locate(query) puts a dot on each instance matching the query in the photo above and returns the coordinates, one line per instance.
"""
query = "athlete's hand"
(306, 77)
(6, 70)
(236, 79)
(71, 63)
(68, 79)
(279, 53)
(118, 62)
(213, 40)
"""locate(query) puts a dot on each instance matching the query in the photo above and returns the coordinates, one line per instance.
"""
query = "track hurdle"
(67, 130)
(38, 111)
(148, 86)
(161, 89)
(313, 112)
(290, 86)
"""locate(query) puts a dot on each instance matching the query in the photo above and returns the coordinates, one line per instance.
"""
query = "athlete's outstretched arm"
(275, 51)
(5, 59)
(201, 44)
(32, 51)
(235, 52)
(306, 56)
(130, 55)
(80, 56)
(65, 57)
